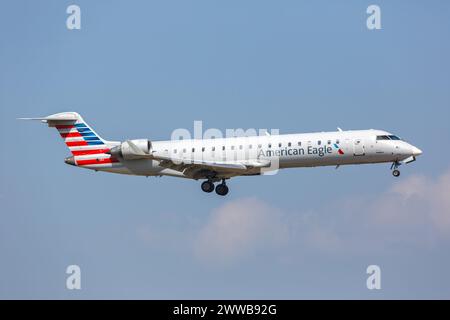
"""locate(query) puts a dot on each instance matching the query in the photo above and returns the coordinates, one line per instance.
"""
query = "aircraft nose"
(416, 151)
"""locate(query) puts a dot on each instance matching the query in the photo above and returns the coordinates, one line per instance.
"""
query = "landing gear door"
(358, 147)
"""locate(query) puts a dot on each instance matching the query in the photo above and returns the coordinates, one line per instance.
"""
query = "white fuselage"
(216, 160)
(282, 151)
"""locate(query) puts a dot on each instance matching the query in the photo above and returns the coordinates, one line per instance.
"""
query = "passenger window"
(213, 149)
(223, 148)
(299, 143)
(319, 142)
(337, 141)
(249, 146)
(269, 145)
(174, 150)
(203, 149)
(259, 146)
(232, 147)
(184, 150)
(279, 145)
(240, 147)
(193, 149)
(289, 144)
(329, 142)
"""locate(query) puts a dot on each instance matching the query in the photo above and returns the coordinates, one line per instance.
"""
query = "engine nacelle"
(137, 149)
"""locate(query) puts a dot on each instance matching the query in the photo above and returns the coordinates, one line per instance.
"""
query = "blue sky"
(141, 69)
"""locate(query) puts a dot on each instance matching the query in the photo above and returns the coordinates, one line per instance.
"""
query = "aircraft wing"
(196, 168)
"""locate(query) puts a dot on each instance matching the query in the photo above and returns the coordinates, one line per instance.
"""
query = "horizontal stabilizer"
(55, 117)
(65, 118)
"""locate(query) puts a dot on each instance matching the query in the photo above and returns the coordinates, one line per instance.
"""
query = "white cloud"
(239, 228)
(414, 212)
(437, 194)
(417, 202)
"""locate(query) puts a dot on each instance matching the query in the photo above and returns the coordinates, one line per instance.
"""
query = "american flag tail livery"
(87, 147)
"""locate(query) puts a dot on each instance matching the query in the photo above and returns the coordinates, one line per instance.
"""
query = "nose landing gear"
(395, 172)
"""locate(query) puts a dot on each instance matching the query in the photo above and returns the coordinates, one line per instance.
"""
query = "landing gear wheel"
(208, 186)
(396, 173)
(222, 189)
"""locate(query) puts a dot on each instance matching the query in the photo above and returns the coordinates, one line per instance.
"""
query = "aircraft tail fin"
(78, 136)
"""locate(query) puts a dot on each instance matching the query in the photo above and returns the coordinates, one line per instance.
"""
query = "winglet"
(339, 129)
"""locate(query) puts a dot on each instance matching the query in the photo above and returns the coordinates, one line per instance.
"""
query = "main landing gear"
(395, 172)
(221, 188)
(208, 186)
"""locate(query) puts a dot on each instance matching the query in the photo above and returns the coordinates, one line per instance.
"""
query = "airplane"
(217, 160)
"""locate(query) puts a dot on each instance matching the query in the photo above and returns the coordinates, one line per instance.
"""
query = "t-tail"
(87, 147)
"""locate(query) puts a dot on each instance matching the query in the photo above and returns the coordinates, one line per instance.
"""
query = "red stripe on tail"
(76, 143)
(71, 135)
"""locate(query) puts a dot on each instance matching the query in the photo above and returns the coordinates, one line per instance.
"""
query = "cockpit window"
(383, 138)
(394, 137)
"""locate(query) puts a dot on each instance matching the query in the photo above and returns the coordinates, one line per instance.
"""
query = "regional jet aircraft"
(217, 160)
